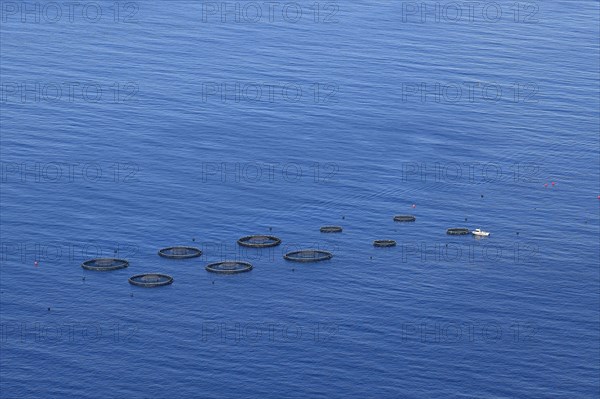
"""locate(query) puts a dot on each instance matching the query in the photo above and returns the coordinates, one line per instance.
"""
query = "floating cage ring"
(331, 229)
(308, 255)
(259, 241)
(384, 243)
(180, 252)
(229, 267)
(458, 231)
(404, 218)
(150, 280)
(105, 264)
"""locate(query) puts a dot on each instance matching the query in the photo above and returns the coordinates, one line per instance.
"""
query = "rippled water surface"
(160, 123)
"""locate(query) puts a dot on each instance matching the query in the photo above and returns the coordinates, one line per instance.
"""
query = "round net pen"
(384, 243)
(229, 267)
(331, 229)
(259, 241)
(150, 280)
(457, 231)
(179, 252)
(105, 264)
(404, 218)
(308, 255)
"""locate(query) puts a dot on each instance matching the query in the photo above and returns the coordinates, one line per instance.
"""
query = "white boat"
(480, 233)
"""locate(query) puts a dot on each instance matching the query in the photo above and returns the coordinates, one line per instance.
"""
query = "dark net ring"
(384, 243)
(331, 229)
(457, 231)
(179, 252)
(150, 280)
(259, 241)
(404, 218)
(308, 255)
(229, 267)
(105, 264)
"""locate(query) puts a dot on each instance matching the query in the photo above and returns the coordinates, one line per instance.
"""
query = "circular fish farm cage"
(384, 243)
(458, 231)
(229, 267)
(179, 252)
(308, 255)
(331, 229)
(150, 280)
(259, 241)
(105, 264)
(404, 218)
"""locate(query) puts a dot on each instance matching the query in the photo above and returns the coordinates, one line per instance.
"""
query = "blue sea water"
(131, 126)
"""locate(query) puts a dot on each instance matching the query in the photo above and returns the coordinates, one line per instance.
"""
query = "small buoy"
(83, 278)
(553, 183)
(465, 219)
(344, 217)
(414, 205)
(213, 282)
(48, 309)
(546, 185)
(35, 263)
(481, 195)
(370, 257)
(517, 233)
(194, 239)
